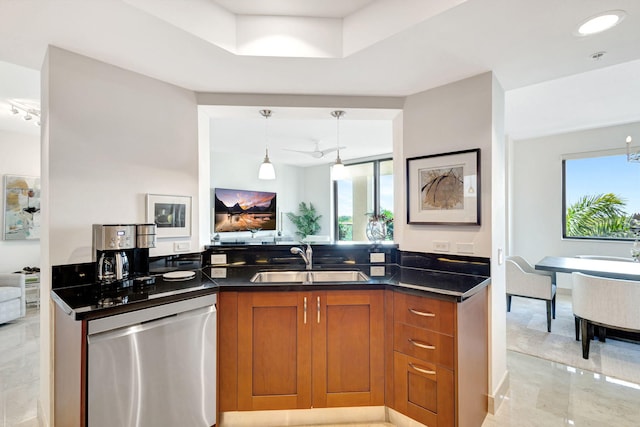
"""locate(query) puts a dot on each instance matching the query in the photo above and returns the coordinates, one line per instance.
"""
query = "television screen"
(242, 210)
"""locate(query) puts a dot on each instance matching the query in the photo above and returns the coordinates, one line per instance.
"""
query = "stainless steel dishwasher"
(154, 367)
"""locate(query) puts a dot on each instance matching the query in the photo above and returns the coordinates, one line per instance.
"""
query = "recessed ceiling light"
(601, 22)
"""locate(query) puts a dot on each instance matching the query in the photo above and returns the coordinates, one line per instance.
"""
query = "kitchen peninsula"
(411, 336)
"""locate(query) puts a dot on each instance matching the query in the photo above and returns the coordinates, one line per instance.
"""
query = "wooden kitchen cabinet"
(308, 349)
(348, 349)
(274, 348)
(440, 359)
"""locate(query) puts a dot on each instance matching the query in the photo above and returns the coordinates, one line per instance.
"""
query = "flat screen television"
(244, 210)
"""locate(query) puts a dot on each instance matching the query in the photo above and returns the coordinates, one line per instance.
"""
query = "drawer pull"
(422, 370)
(422, 345)
(422, 313)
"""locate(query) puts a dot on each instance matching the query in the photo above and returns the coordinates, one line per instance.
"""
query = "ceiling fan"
(317, 153)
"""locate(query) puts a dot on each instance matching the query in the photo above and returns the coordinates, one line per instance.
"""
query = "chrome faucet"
(306, 255)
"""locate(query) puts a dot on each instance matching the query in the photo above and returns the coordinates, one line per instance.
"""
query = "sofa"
(12, 297)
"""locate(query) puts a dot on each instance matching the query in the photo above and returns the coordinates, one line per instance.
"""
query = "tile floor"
(542, 393)
(19, 370)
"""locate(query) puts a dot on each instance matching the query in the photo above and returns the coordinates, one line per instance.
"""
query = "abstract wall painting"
(21, 207)
(444, 188)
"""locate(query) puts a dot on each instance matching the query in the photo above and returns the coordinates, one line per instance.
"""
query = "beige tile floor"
(542, 393)
(19, 371)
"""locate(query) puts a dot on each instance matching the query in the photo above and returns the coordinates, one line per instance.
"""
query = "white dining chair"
(525, 281)
(604, 302)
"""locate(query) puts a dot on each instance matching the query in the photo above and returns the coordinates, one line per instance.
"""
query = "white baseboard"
(495, 400)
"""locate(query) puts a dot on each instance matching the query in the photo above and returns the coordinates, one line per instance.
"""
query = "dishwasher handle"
(149, 324)
(151, 313)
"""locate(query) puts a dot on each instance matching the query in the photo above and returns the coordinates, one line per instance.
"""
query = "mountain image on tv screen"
(243, 210)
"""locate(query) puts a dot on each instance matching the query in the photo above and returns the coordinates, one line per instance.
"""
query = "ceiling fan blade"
(299, 151)
(329, 150)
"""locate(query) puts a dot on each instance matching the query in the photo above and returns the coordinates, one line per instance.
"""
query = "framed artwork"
(21, 207)
(444, 188)
(171, 214)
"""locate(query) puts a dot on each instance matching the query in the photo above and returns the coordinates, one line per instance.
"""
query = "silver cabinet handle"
(318, 305)
(422, 370)
(422, 313)
(422, 345)
(305, 310)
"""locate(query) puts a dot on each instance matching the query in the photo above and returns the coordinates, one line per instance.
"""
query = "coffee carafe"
(107, 267)
(112, 246)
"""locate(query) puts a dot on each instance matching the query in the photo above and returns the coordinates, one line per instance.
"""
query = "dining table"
(595, 267)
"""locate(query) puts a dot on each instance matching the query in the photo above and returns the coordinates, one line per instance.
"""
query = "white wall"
(536, 193)
(110, 137)
(449, 118)
(462, 115)
(20, 156)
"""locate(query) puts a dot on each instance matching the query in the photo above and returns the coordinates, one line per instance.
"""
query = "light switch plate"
(181, 246)
(217, 259)
(376, 257)
(376, 271)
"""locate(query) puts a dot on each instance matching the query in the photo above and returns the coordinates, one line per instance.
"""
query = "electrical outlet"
(376, 271)
(181, 246)
(217, 259)
(441, 246)
(465, 248)
(219, 273)
(376, 257)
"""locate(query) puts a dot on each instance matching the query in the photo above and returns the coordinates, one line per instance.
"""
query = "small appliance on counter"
(121, 251)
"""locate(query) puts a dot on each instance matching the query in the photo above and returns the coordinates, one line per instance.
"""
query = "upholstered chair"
(12, 297)
(604, 302)
(525, 281)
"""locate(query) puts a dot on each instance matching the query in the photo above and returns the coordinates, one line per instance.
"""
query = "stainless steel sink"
(309, 276)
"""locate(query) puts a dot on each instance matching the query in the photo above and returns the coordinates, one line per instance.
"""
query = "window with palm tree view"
(601, 198)
(364, 202)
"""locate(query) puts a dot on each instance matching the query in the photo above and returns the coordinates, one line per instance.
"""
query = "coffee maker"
(121, 251)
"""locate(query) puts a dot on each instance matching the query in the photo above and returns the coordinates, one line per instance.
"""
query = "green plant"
(601, 215)
(307, 222)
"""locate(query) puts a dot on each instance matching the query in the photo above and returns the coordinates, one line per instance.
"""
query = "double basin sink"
(309, 276)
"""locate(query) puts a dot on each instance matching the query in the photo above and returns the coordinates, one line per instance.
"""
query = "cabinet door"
(348, 348)
(274, 337)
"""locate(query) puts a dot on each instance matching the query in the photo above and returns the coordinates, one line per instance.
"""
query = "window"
(367, 192)
(601, 198)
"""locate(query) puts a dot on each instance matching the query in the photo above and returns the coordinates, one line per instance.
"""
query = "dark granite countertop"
(95, 300)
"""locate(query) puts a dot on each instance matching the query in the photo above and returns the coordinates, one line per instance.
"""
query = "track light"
(29, 113)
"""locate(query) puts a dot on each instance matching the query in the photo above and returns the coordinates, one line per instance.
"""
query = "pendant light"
(337, 170)
(266, 168)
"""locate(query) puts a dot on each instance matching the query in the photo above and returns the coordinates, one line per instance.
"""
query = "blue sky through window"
(601, 175)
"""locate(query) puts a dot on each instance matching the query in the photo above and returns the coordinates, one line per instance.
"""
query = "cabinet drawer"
(423, 391)
(422, 312)
(423, 344)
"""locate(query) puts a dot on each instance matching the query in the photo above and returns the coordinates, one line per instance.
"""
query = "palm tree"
(601, 215)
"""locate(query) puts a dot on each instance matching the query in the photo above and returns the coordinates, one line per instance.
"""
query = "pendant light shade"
(337, 170)
(267, 170)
